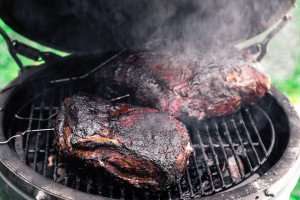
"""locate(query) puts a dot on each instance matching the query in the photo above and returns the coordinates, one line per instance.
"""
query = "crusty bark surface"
(141, 146)
(198, 88)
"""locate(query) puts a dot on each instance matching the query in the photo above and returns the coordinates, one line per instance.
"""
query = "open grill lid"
(88, 26)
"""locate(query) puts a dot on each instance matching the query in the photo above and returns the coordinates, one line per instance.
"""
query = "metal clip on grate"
(91, 72)
(24, 133)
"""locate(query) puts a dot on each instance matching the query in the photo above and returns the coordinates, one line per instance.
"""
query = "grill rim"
(31, 182)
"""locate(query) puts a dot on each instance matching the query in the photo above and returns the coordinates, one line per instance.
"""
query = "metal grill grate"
(227, 151)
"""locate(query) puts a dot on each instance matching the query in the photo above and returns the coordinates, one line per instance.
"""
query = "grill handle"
(16, 47)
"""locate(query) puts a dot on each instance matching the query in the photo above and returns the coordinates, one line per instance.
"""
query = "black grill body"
(100, 26)
(263, 138)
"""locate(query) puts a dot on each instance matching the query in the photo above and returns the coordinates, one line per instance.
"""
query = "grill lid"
(97, 26)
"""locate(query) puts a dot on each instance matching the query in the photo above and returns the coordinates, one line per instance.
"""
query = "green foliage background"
(9, 70)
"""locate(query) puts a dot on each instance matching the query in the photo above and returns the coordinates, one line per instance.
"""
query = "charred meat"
(141, 146)
(199, 88)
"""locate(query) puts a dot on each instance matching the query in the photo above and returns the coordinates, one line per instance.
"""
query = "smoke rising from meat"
(194, 28)
(181, 27)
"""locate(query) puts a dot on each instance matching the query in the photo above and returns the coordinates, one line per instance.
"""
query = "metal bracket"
(89, 73)
(11, 48)
(32, 53)
(16, 47)
(256, 51)
(263, 46)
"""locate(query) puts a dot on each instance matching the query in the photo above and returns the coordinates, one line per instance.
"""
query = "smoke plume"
(181, 27)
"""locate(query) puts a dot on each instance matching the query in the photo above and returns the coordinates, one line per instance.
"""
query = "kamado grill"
(251, 154)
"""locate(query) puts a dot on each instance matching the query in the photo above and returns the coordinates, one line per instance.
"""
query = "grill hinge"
(16, 47)
(32, 53)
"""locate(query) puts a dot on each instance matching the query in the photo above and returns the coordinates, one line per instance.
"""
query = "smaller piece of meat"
(141, 146)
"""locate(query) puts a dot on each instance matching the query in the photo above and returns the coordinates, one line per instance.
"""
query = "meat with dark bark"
(201, 88)
(141, 146)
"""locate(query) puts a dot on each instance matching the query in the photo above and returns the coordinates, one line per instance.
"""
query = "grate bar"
(169, 195)
(242, 122)
(55, 177)
(256, 131)
(66, 180)
(179, 189)
(50, 150)
(199, 174)
(89, 186)
(77, 185)
(122, 193)
(227, 134)
(215, 156)
(37, 140)
(243, 149)
(223, 151)
(206, 159)
(28, 135)
(49, 124)
(191, 188)
(197, 146)
(50, 107)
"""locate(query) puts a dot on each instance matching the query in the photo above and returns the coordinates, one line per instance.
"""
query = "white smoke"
(284, 50)
(197, 27)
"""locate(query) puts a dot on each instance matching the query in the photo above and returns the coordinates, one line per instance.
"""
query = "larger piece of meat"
(141, 146)
(201, 88)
